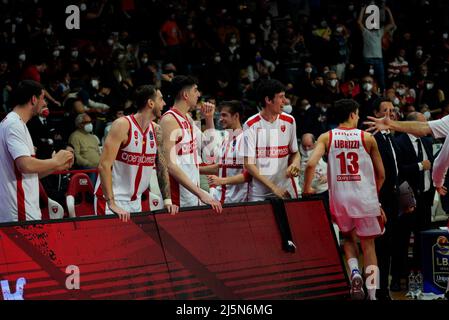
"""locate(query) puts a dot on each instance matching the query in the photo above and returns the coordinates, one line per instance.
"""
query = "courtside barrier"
(196, 254)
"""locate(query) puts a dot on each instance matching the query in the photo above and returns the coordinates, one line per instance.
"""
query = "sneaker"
(356, 291)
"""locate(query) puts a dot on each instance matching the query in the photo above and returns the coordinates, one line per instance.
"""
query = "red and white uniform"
(352, 184)
(270, 144)
(231, 164)
(131, 170)
(187, 159)
(19, 192)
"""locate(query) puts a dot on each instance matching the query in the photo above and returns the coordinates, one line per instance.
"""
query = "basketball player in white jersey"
(355, 176)
(130, 155)
(182, 141)
(19, 169)
(227, 178)
(270, 146)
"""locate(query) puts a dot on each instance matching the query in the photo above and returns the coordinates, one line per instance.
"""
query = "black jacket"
(409, 166)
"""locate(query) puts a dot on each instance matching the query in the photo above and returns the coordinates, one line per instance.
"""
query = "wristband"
(168, 202)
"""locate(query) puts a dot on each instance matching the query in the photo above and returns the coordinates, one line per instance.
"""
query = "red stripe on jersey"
(139, 171)
(136, 159)
(253, 121)
(101, 203)
(294, 187)
(286, 118)
(144, 133)
(21, 216)
(129, 134)
(174, 190)
(363, 141)
(272, 152)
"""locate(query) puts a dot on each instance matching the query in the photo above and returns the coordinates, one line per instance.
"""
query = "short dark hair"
(344, 108)
(378, 102)
(181, 83)
(142, 94)
(269, 88)
(25, 90)
(234, 107)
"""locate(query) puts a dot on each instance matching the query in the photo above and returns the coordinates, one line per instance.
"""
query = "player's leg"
(371, 268)
(350, 248)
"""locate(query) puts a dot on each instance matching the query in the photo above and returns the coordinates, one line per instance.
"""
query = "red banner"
(196, 254)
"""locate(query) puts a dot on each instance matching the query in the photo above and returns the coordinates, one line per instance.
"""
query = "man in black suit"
(417, 160)
(388, 196)
(40, 132)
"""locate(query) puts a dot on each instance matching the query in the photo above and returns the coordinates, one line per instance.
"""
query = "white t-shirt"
(440, 129)
(19, 193)
(270, 144)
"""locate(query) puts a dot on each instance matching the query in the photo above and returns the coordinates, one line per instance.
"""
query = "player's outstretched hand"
(207, 199)
(376, 125)
(172, 209)
(123, 215)
(442, 190)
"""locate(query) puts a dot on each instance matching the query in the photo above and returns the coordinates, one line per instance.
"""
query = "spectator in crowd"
(85, 144)
(366, 98)
(372, 44)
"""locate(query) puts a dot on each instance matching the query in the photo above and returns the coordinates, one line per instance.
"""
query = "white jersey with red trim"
(270, 144)
(187, 159)
(230, 165)
(19, 192)
(134, 164)
(352, 184)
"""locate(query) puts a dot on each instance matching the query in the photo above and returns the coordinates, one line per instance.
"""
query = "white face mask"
(83, 7)
(287, 108)
(94, 83)
(308, 70)
(217, 59)
(429, 86)
(400, 92)
(427, 115)
(339, 29)
(233, 41)
(419, 53)
(396, 101)
(110, 42)
(367, 87)
(371, 71)
(333, 83)
(89, 128)
(22, 57)
(144, 60)
(252, 41)
(445, 36)
(75, 53)
(56, 53)
(249, 21)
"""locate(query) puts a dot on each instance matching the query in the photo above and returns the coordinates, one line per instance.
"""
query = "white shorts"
(365, 228)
